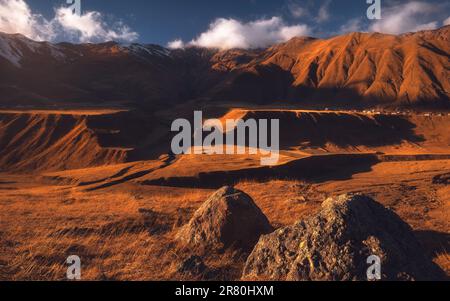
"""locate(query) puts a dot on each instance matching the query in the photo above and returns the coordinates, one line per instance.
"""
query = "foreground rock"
(229, 218)
(193, 266)
(336, 243)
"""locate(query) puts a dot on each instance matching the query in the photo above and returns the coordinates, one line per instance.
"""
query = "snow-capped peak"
(14, 47)
(10, 51)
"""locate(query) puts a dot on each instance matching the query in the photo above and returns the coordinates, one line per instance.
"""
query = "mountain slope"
(357, 69)
(377, 68)
(51, 142)
(56, 140)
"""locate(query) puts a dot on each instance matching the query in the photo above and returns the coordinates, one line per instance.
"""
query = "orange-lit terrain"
(80, 182)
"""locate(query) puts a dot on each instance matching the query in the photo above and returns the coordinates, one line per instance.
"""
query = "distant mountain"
(357, 69)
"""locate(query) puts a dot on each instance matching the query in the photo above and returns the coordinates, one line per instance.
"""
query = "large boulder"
(336, 243)
(228, 219)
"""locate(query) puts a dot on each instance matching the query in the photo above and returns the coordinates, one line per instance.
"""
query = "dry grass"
(126, 232)
(121, 233)
(118, 235)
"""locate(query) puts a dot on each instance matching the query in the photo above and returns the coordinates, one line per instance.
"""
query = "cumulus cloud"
(89, 27)
(175, 44)
(231, 33)
(17, 17)
(409, 17)
(446, 21)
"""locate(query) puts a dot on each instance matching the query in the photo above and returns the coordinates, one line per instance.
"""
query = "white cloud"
(427, 26)
(296, 10)
(175, 44)
(353, 25)
(409, 17)
(89, 27)
(230, 33)
(17, 17)
(446, 21)
(324, 14)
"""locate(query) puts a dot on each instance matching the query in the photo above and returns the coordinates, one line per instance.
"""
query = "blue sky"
(161, 21)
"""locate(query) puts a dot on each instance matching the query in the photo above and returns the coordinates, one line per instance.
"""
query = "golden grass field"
(126, 232)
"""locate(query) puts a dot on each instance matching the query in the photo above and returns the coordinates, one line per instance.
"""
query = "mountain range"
(351, 70)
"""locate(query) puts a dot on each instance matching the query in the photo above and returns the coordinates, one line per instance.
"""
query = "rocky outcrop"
(336, 243)
(193, 266)
(228, 219)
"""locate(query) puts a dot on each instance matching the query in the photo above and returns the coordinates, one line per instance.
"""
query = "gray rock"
(193, 265)
(228, 219)
(336, 243)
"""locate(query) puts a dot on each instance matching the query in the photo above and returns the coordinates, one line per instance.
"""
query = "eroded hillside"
(58, 140)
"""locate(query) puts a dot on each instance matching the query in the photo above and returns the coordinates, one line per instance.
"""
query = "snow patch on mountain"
(140, 50)
(10, 51)
(14, 47)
